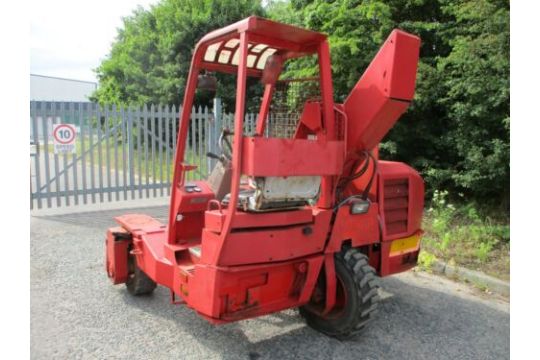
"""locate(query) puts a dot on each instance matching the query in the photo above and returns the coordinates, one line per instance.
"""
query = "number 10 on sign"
(64, 138)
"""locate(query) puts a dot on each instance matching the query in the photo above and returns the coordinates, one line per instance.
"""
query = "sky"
(69, 38)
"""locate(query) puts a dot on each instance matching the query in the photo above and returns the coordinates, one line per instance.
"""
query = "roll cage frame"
(290, 42)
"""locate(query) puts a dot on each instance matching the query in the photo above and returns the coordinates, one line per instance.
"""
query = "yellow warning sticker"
(404, 245)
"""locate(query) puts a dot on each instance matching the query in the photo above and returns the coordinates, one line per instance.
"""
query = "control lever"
(215, 156)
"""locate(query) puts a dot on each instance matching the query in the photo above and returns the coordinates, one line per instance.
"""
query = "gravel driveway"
(77, 313)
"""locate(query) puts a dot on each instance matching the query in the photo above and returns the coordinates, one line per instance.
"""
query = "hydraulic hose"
(370, 183)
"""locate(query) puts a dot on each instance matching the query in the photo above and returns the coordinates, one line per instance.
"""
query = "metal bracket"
(331, 281)
(174, 301)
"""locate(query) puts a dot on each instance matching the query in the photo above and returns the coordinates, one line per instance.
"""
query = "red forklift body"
(255, 251)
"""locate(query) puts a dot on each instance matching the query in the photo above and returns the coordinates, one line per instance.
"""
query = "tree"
(477, 96)
(456, 132)
(150, 58)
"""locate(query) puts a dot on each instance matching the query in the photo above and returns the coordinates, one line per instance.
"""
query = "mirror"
(207, 82)
(272, 69)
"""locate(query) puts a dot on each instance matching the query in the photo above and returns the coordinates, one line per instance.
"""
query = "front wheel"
(138, 283)
(356, 297)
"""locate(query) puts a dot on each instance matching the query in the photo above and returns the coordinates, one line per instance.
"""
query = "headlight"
(359, 206)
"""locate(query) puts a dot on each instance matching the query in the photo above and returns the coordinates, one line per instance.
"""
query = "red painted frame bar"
(327, 184)
(265, 107)
(238, 140)
(179, 169)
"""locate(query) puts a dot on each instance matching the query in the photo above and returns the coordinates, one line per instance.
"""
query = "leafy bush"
(457, 130)
(464, 236)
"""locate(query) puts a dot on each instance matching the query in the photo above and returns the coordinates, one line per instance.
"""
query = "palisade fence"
(121, 153)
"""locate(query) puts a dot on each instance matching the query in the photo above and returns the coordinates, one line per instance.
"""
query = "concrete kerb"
(475, 277)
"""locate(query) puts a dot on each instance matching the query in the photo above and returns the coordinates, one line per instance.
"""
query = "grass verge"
(460, 236)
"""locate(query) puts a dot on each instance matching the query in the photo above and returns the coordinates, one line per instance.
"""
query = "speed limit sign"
(64, 138)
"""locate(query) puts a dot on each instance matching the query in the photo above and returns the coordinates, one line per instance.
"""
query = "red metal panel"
(401, 209)
(370, 117)
(139, 222)
(195, 201)
(268, 245)
(361, 229)
(311, 116)
(310, 121)
(190, 206)
(214, 219)
(383, 92)
(225, 294)
(290, 157)
(259, 246)
(116, 249)
(395, 264)
(275, 30)
(189, 227)
(149, 252)
(402, 79)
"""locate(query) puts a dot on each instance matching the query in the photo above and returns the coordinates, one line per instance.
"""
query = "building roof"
(50, 88)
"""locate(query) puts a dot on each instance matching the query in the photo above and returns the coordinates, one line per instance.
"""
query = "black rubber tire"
(139, 283)
(361, 285)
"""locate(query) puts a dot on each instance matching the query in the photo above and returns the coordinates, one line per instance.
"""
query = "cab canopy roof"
(220, 48)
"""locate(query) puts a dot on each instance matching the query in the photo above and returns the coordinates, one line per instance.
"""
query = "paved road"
(77, 313)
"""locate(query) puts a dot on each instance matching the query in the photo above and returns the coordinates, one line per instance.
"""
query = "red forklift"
(298, 212)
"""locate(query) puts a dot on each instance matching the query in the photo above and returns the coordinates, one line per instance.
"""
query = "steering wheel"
(224, 146)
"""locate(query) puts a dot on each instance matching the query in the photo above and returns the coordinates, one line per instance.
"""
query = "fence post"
(216, 127)
(208, 117)
(131, 163)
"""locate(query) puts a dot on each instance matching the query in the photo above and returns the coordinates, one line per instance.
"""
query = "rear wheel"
(356, 297)
(138, 282)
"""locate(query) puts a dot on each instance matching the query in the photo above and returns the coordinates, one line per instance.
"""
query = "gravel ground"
(77, 313)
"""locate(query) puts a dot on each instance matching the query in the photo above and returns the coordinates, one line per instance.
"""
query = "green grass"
(144, 163)
(426, 260)
(461, 236)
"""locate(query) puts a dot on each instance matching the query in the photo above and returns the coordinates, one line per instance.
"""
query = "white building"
(48, 88)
